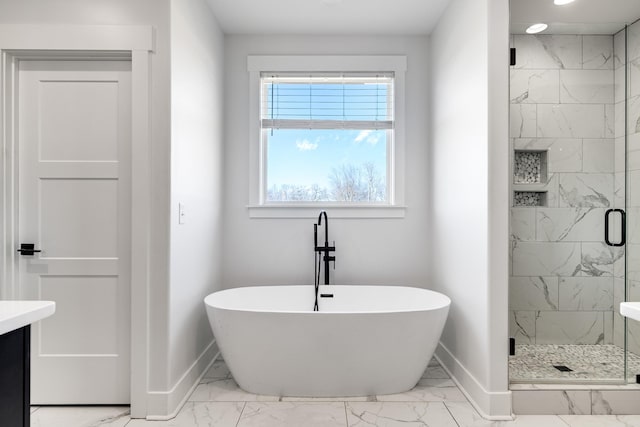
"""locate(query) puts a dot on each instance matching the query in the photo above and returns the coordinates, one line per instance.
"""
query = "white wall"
(280, 251)
(468, 189)
(196, 181)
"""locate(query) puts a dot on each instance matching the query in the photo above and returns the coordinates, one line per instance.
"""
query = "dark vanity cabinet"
(15, 377)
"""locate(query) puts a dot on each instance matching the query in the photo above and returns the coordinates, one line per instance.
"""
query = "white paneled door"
(74, 207)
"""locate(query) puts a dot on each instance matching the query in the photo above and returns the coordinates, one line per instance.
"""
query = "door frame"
(86, 42)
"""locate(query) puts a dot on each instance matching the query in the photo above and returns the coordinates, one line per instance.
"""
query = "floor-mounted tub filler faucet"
(323, 254)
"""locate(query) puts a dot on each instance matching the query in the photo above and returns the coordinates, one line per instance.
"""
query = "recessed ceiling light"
(562, 2)
(536, 28)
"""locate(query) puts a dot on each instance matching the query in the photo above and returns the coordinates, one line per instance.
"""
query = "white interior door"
(74, 206)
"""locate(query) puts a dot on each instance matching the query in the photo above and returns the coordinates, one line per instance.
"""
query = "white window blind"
(327, 100)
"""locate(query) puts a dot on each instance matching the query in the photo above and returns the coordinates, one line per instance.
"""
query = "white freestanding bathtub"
(364, 340)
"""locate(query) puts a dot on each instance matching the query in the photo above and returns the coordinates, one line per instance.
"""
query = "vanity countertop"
(16, 314)
(630, 309)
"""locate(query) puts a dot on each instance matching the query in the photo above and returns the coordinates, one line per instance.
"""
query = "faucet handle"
(315, 236)
(333, 257)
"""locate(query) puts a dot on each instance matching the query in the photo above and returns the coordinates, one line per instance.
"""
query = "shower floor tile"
(588, 363)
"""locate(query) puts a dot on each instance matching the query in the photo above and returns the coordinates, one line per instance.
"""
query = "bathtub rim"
(446, 305)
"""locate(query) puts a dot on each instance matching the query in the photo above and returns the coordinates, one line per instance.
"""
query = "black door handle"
(623, 230)
(28, 249)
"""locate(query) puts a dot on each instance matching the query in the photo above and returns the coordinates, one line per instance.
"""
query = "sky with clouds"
(306, 157)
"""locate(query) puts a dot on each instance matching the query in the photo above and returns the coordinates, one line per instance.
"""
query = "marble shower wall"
(564, 278)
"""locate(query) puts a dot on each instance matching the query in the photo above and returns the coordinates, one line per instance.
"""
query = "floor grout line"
(451, 414)
(346, 416)
(241, 413)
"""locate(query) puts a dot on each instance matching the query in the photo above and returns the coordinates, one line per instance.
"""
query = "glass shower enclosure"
(575, 215)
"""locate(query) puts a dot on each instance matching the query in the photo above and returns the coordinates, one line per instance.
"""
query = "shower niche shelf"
(530, 167)
(529, 198)
(529, 178)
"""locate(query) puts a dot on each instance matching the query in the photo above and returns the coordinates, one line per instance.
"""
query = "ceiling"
(579, 17)
(329, 17)
(410, 17)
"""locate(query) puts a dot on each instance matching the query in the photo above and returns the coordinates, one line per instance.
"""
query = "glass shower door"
(632, 130)
(569, 151)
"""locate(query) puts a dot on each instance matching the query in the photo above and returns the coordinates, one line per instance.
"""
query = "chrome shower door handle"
(623, 230)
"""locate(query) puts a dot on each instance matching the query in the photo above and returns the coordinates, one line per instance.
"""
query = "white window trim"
(319, 63)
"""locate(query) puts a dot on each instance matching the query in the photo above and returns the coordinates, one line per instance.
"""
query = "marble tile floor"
(218, 401)
(589, 363)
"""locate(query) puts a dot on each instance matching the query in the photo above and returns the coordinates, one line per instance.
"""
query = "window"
(327, 137)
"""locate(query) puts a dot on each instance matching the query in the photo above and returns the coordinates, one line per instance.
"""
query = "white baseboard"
(494, 406)
(165, 405)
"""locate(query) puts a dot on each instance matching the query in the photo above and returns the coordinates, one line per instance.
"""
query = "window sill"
(293, 211)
